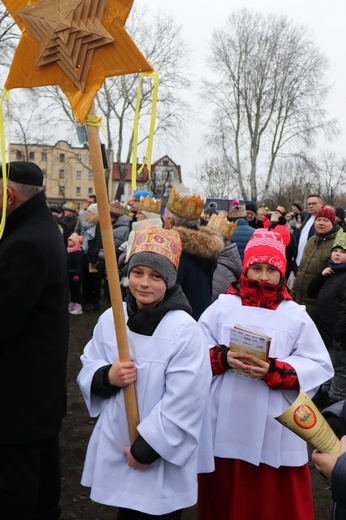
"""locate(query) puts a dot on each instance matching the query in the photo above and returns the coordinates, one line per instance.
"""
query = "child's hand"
(122, 374)
(327, 271)
(132, 462)
(251, 365)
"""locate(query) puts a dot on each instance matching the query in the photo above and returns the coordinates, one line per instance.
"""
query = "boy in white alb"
(171, 367)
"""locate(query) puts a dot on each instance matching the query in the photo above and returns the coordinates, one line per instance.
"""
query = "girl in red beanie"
(261, 468)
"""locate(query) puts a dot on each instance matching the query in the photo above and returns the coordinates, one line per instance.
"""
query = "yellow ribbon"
(93, 121)
(147, 160)
(5, 96)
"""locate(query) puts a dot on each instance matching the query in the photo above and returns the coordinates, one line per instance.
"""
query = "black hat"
(340, 212)
(56, 209)
(24, 172)
(251, 206)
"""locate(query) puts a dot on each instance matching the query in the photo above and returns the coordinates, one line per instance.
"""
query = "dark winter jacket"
(337, 412)
(338, 485)
(314, 260)
(330, 308)
(75, 263)
(241, 235)
(255, 223)
(228, 269)
(201, 248)
(33, 323)
(121, 230)
(70, 221)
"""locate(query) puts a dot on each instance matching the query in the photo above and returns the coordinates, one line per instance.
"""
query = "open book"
(249, 342)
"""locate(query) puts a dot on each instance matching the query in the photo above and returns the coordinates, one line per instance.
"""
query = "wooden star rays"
(75, 44)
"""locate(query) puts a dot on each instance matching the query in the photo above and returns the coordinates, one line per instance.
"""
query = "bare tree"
(215, 178)
(160, 40)
(293, 179)
(267, 97)
(296, 178)
(9, 36)
(329, 174)
(29, 119)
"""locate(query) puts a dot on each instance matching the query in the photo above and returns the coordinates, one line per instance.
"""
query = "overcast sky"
(325, 20)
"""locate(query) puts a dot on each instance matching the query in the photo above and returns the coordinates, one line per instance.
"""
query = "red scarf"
(254, 293)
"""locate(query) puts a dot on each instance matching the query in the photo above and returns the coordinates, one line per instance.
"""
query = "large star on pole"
(75, 44)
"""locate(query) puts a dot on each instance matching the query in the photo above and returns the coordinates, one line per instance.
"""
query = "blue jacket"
(242, 234)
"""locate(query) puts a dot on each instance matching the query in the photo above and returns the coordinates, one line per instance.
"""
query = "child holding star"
(156, 475)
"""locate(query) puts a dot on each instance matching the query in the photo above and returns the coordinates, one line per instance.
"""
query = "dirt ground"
(76, 431)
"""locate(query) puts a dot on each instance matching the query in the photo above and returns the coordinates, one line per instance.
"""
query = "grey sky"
(325, 20)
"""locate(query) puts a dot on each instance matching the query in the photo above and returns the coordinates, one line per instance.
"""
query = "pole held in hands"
(112, 269)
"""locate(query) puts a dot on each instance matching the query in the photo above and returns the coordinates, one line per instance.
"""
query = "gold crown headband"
(151, 239)
(150, 204)
(220, 223)
(183, 205)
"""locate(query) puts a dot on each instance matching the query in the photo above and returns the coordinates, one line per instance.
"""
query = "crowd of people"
(190, 277)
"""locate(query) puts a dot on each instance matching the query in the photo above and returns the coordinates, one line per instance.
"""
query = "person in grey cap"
(34, 340)
(155, 475)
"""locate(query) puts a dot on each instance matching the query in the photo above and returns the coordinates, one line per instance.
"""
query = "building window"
(90, 176)
(19, 155)
(62, 190)
(61, 174)
(44, 172)
(62, 157)
(79, 158)
(79, 175)
(165, 162)
(44, 156)
(31, 156)
(78, 190)
(90, 191)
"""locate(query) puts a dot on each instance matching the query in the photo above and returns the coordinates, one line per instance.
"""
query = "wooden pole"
(112, 269)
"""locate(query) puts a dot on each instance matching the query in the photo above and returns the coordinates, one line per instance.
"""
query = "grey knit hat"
(157, 262)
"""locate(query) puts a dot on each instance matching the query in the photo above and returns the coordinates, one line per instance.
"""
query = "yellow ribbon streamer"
(147, 160)
(5, 96)
(94, 121)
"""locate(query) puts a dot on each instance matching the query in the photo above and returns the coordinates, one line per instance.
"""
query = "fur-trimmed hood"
(203, 242)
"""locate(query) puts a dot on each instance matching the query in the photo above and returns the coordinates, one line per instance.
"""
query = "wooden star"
(67, 32)
(75, 44)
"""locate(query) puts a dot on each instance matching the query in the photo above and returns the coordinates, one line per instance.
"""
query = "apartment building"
(68, 175)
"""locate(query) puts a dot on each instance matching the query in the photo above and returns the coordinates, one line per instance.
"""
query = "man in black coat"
(34, 340)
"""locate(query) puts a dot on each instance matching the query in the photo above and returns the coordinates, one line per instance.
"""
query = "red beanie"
(328, 213)
(267, 247)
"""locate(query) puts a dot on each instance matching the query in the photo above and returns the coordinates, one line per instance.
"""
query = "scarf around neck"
(255, 293)
(147, 319)
(336, 267)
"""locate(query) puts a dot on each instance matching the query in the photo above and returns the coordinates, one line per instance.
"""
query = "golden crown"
(340, 240)
(184, 205)
(150, 204)
(116, 208)
(165, 242)
(220, 223)
(238, 211)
